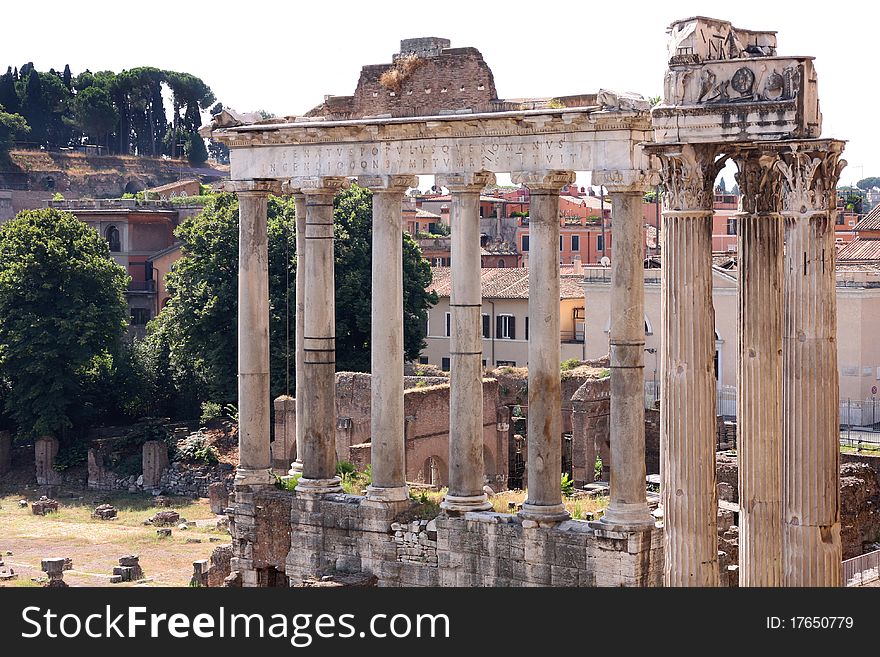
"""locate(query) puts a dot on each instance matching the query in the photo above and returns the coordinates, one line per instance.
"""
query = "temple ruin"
(434, 111)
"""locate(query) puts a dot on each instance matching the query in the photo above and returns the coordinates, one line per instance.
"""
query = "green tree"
(34, 107)
(95, 114)
(193, 340)
(62, 316)
(195, 150)
(8, 94)
(864, 184)
(11, 126)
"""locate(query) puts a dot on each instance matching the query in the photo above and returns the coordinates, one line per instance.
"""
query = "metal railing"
(860, 570)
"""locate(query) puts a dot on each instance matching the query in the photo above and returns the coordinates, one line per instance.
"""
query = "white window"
(506, 327)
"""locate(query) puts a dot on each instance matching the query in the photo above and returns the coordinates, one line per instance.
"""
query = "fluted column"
(544, 501)
(319, 340)
(299, 324)
(628, 507)
(387, 449)
(254, 402)
(687, 394)
(466, 467)
(811, 430)
(759, 369)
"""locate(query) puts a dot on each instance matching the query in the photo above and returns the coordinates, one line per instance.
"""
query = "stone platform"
(281, 539)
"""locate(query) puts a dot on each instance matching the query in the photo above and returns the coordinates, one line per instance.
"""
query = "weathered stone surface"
(155, 461)
(165, 518)
(104, 512)
(5, 452)
(43, 506)
(45, 451)
(218, 496)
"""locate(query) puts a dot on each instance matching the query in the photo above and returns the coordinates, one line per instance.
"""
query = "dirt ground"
(96, 545)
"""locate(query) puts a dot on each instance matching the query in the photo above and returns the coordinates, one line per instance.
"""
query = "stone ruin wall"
(430, 83)
(292, 539)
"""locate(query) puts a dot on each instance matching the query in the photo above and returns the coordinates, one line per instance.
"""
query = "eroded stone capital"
(262, 186)
(626, 180)
(388, 183)
(466, 182)
(809, 173)
(543, 181)
(688, 174)
(310, 185)
(759, 180)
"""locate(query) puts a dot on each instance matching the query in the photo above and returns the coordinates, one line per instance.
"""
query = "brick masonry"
(282, 539)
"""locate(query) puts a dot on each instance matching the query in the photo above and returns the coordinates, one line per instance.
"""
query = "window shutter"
(513, 328)
(498, 332)
(527, 328)
(448, 324)
(486, 326)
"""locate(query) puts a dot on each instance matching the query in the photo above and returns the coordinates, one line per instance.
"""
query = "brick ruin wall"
(284, 539)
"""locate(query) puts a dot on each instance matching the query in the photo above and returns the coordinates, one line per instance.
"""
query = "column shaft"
(687, 401)
(759, 398)
(319, 348)
(299, 325)
(466, 468)
(253, 338)
(544, 500)
(387, 452)
(628, 507)
(810, 405)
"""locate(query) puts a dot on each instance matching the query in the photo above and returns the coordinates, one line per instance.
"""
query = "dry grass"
(96, 545)
(403, 68)
(578, 506)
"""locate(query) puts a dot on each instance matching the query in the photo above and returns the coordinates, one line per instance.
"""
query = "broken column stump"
(105, 512)
(54, 568)
(43, 506)
(45, 451)
(218, 497)
(128, 570)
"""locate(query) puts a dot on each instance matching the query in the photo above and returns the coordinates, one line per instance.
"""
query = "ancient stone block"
(43, 506)
(5, 452)
(163, 532)
(155, 461)
(165, 518)
(218, 497)
(45, 451)
(104, 512)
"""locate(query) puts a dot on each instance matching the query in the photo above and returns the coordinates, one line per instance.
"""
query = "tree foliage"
(864, 184)
(11, 126)
(124, 111)
(193, 341)
(62, 316)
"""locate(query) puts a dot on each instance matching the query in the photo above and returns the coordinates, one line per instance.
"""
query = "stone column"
(810, 407)
(254, 459)
(628, 506)
(544, 501)
(759, 370)
(387, 446)
(466, 466)
(318, 377)
(687, 395)
(45, 451)
(299, 324)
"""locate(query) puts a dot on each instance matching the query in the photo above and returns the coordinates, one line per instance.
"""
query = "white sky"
(285, 56)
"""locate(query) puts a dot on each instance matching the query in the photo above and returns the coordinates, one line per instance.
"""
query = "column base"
(465, 503)
(318, 486)
(387, 493)
(296, 468)
(253, 477)
(544, 512)
(625, 516)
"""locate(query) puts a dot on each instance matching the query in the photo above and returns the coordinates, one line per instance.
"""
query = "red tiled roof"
(506, 283)
(870, 222)
(860, 249)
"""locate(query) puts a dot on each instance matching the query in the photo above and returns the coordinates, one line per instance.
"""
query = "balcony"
(144, 287)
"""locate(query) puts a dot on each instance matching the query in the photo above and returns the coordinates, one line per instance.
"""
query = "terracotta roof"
(870, 222)
(506, 283)
(860, 249)
(427, 215)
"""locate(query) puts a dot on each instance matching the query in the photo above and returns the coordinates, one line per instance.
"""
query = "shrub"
(597, 468)
(569, 364)
(210, 411)
(195, 449)
(567, 485)
(287, 483)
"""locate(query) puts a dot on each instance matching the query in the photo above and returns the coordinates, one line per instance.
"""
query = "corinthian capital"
(388, 183)
(257, 186)
(759, 181)
(318, 184)
(688, 176)
(810, 171)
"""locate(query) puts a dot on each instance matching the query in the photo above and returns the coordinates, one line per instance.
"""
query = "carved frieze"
(688, 176)
(701, 39)
(771, 79)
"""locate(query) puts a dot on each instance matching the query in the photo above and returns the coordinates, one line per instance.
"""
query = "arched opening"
(434, 471)
(112, 235)
(133, 187)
